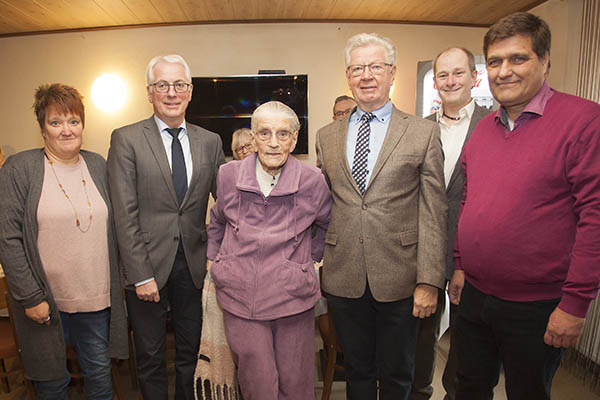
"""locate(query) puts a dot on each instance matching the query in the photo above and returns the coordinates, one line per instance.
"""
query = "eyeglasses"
(246, 147)
(179, 86)
(375, 68)
(265, 134)
(342, 113)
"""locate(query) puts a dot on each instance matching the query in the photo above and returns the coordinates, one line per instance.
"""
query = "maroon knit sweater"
(529, 227)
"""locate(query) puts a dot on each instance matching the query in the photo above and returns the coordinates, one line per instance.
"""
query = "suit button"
(180, 212)
(360, 239)
(364, 206)
(175, 238)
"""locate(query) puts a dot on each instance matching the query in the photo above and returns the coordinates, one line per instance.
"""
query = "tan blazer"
(394, 236)
(148, 219)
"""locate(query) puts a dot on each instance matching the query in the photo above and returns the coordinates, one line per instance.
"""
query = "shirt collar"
(382, 114)
(537, 105)
(162, 126)
(465, 112)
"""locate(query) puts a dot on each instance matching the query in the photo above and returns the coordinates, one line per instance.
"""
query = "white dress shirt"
(453, 137)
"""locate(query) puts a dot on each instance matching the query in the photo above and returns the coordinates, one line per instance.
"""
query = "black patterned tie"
(178, 171)
(361, 152)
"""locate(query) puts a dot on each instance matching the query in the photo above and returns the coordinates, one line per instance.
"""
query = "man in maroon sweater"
(527, 253)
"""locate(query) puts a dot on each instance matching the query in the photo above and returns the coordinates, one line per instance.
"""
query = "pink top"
(76, 263)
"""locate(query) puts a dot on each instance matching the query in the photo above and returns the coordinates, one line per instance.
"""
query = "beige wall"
(215, 50)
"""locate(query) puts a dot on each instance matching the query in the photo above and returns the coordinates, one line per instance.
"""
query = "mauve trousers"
(275, 359)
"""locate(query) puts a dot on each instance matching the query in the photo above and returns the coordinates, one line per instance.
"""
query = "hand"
(39, 313)
(563, 329)
(148, 291)
(209, 263)
(425, 300)
(456, 285)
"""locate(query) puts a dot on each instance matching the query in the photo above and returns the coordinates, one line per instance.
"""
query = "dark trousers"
(449, 378)
(379, 341)
(429, 330)
(148, 320)
(492, 332)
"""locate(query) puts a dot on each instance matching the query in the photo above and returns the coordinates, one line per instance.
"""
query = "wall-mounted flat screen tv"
(224, 104)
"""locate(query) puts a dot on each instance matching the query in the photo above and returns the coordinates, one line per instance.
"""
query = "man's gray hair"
(370, 39)
(275, 107)
(171, 58)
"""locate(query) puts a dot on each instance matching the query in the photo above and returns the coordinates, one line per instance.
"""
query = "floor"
(565, 386)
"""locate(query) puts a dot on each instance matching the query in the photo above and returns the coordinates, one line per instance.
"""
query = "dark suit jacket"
(148, 220)
(454, 191)
(394, 235)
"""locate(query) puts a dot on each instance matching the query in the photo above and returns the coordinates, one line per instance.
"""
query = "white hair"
(371, 39)
(275, 107)
(171, 58)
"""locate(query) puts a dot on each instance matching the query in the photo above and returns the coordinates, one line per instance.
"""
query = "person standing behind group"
(58, 251)
(161, 171)
(342, 106)
(260, 238)
(527, 252)
(241, 144)
(385, 248)
(454, 75)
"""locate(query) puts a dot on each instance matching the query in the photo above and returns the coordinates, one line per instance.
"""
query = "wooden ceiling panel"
(119, 12)
(143, 10)
(170, 11)
(195, 10)
(18, 17)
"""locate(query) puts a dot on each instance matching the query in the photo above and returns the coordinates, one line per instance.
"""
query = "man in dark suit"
(454, 75)
(386, 243)
(161, 171)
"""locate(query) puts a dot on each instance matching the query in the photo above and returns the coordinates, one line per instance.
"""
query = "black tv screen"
(224, 104)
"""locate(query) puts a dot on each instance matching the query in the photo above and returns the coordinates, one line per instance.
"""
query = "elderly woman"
(241, 143)
(58, 251)
(260, 240)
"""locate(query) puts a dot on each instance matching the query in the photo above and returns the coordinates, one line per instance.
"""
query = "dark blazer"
(147, 217)
(454, 191)
(394, 235)
(43, 347)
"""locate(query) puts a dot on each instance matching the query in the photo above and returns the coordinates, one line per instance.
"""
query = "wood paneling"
(34, 16)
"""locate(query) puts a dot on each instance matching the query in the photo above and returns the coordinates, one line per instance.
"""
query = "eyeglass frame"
(188, 86)
(248, 146)
(363, 68)
(343, 113)
(289, 134)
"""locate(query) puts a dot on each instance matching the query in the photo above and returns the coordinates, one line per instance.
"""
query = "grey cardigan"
(43, 347)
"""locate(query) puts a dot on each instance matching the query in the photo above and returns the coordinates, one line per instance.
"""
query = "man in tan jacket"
(386, 244)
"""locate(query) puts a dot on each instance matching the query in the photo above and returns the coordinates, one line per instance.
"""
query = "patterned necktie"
(178, 170)
(361, 152)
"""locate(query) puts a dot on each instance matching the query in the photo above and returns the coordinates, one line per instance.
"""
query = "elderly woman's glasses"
(266, 134)
(246, 147)
(375, 68)
(163, 86)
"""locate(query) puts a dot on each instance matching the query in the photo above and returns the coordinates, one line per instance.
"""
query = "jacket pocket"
(301, 279)
(226, 274)
(408, 238)
(331, 239)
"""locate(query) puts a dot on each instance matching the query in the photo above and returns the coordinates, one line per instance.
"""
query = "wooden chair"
(9, 351)
(330, 342)
(332, 347)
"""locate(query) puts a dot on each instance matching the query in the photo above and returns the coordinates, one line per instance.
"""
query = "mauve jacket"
(263, 247)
